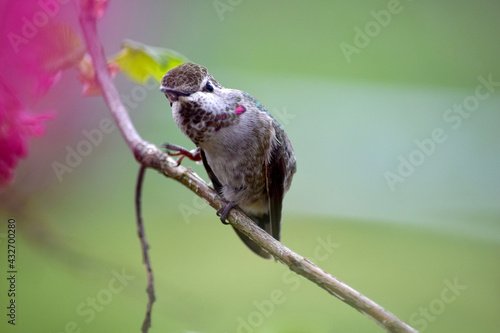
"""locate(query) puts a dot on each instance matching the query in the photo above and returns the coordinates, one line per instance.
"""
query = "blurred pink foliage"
(37, 43)
(94, 8)
(17, 125)
(86, 75)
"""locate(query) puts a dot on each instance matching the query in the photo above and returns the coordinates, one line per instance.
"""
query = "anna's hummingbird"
(246, 153)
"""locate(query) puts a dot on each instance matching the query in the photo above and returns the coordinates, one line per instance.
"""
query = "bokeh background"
(426, 248)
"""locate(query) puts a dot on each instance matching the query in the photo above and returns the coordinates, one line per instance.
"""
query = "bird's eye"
(209, 86)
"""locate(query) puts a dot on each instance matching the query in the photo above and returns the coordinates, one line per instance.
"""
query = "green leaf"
(140, 61)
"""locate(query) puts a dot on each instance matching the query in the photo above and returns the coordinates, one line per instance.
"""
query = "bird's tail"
(262, 222)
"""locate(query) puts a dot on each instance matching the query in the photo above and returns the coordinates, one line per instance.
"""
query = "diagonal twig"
(151, 156)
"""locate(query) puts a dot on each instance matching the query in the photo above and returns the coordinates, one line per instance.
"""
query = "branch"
(150, 290)
(108, 88)
(148, 155)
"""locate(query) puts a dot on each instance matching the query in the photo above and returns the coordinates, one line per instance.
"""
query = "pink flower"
(36, 44)
(38, 41)
(17, 124)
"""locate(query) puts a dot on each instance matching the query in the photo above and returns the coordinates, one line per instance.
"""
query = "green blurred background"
(428, 249)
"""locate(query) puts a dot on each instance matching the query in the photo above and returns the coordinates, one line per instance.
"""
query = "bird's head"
(186, 80)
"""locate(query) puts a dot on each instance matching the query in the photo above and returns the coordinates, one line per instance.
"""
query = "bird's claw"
(175, 150)
(223, 212)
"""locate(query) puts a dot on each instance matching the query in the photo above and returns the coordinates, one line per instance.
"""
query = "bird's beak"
(175, 92)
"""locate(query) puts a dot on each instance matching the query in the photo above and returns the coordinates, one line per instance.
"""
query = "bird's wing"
(260, 221)
(211, 174)
(275, 173)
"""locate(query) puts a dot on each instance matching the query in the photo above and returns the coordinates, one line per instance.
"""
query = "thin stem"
(150, 290)
(109, 91)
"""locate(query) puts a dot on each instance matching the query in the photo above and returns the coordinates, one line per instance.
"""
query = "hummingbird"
(246, 153)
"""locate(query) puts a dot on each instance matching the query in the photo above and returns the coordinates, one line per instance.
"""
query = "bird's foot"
(175, 150)
(223, 212)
